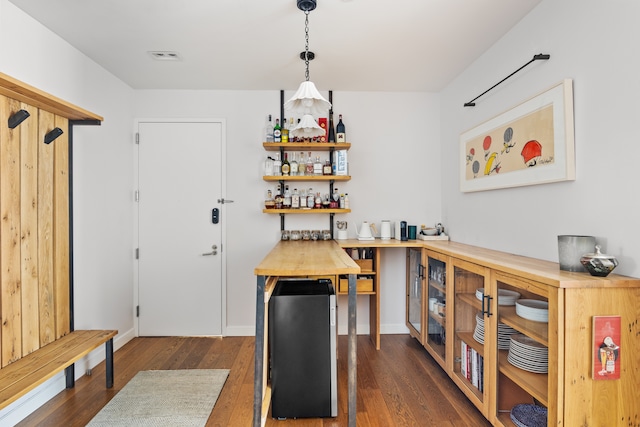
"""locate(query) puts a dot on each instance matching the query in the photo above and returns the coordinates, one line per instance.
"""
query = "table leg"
(353, 337)
(259, 354)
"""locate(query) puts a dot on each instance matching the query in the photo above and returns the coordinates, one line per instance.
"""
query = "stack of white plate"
(528, 354)
(504, 333)
(533, 309)
(505, 296)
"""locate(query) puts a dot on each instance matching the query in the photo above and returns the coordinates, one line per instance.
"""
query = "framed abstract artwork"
(531, 143)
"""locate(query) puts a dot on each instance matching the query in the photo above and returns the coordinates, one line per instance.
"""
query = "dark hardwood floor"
(400, 385)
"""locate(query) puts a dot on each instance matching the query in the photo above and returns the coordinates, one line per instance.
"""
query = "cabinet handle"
(488, 305)
(421, 270)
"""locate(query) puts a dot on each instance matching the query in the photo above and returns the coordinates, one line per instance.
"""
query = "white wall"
(394, 164)
(594, 43)
(103, 222)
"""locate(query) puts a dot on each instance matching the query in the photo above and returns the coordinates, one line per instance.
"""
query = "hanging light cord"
(306, 45)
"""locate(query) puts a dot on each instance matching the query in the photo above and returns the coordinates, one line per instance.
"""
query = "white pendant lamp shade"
(307, 100)
(308, 128)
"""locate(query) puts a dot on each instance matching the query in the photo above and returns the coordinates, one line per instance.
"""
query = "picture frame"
(531, 143)
(606, 348)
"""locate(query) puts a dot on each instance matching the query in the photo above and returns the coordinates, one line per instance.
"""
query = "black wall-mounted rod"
(540, 56)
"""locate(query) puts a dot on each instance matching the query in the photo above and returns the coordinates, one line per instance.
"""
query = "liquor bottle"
(286, 203)
(341, 201)
(303, 199)
(346, 200)
(311, 199)
(295, 199)
(335, 199)
(277, 165)
(340, 133)
(326, 169)
(284, 135)
(309, 165)
(277, 132)
(301, 165)
(286, 167)
(293, 166)
(278, 197)
(318, 201)
(317, 166)
(269, 202)
(268, 129)
(332, 131)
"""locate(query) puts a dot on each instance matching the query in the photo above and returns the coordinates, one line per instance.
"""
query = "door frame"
(222, 207)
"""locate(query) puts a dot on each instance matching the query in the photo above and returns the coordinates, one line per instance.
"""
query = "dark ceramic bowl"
(599, 264)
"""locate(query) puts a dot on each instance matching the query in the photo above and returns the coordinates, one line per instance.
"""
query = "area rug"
(164, 398)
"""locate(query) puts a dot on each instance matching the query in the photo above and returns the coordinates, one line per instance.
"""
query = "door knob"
(213, 252)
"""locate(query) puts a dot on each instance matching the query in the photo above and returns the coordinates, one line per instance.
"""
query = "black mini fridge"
(302, 342)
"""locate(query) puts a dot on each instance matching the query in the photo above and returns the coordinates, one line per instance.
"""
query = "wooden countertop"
(378, 243)
(306, 258)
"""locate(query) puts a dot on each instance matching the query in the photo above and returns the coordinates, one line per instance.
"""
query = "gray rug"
(164, 398)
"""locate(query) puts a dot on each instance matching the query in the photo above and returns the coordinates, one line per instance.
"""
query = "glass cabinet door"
(415, 300)
(474, 336)
(524, 352)
(436, 305)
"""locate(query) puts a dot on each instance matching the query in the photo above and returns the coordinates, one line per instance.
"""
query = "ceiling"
(360, 45)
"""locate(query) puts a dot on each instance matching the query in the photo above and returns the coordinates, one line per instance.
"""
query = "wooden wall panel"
(29, 230)
(45, 230)
(10, 237)
(35, 258)
(61, 229)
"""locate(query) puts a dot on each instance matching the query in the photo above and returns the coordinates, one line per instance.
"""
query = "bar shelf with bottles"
(306, 146)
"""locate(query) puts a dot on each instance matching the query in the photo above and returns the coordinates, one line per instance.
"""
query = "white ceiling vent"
(165, 55)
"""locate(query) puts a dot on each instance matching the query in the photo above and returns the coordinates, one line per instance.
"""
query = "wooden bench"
(27, 373)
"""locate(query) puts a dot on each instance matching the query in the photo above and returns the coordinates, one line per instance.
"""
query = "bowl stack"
(533, 309)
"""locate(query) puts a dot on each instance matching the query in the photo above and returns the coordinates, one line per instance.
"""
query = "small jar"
(326, 235)
(306, 235)
(285, 235)
(295, 235)
(315, 235)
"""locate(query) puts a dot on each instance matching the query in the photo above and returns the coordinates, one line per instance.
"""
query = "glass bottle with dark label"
(340, 130)
(277, 132)
(326, 169)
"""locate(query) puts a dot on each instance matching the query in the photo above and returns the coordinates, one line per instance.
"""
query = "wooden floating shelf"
(306, 146)
(306, 211)
(307, 178)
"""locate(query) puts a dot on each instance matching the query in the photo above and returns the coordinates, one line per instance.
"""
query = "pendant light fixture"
(307, 100)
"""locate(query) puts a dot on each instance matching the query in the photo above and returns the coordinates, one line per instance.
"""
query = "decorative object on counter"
(428, 231)
(599, 264)
(412, 232)
(365, 232)
(342, 230)
(528, 415)
(571, 248)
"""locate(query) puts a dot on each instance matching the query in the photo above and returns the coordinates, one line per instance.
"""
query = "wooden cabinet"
(568, 388)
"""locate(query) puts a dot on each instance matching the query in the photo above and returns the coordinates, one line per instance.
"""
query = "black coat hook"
(18, 117)
(51, 135)
(540, 56)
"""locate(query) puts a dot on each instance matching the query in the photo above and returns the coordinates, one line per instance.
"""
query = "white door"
(179, 241)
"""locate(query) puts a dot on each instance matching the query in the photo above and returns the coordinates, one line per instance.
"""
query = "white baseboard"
(27, 404)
